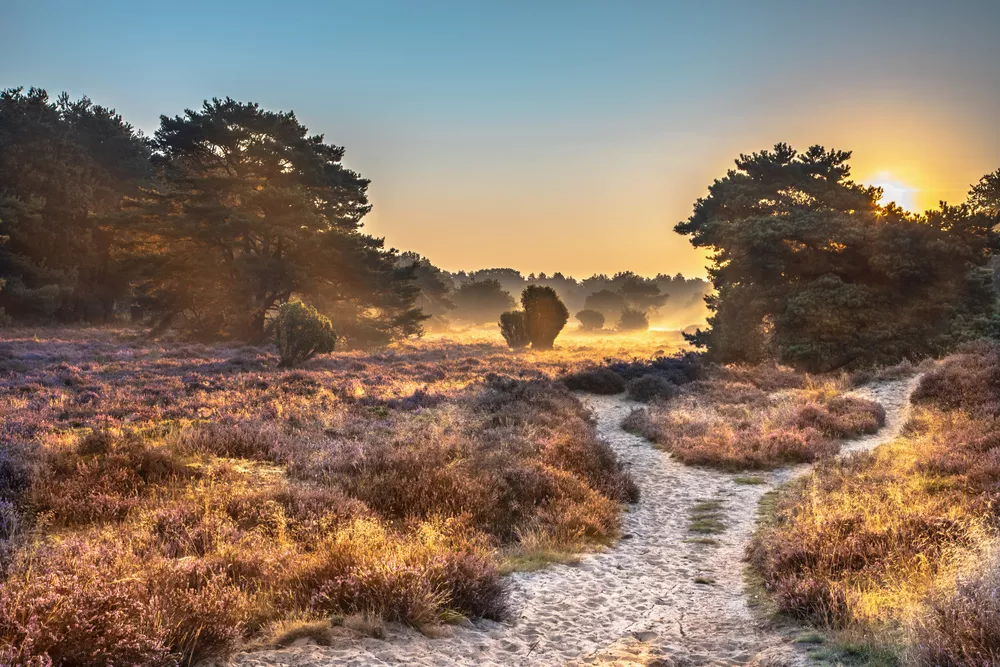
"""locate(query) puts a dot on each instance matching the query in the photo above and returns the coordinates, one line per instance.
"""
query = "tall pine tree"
(810, 269)
(249, 209)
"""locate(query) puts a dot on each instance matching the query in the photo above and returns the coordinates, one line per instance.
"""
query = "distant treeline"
(478, 297)
(211, 224)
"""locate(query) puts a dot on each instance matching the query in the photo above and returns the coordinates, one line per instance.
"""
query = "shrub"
(734, 425)
(966, 381)
(104, 479)
(545, 315)
(301, 333)
(650, 387)
(367, 568)
(638, 422)
(14, 475)
(600, 380)
(79, 605)
(517, 456)
(841, 417)
(633, 320)
(679, 369)
(590, 320)
(514, 329)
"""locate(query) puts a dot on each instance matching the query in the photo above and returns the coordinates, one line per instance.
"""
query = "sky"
(552, 135)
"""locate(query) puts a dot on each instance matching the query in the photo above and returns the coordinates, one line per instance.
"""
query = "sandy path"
(635, 604)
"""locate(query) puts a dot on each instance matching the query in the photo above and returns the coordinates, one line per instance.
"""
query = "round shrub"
(600, 380)
(650, 387)
(545, 315)
(633, 320)
(301, 333)
(590, 320)
(514, 329)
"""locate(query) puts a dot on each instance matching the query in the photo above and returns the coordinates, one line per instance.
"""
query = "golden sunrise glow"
(895, 191)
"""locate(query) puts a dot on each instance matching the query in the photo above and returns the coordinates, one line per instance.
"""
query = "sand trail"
(658, 597)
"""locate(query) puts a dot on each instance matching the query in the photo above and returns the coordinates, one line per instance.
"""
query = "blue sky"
(551, 135)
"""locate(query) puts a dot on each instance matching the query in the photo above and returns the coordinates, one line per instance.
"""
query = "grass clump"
(706, 517)
(735, 420)
(750, 480)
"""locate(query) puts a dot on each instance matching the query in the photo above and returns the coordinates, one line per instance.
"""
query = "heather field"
(169, 502)
(895, 550)
(434, 502)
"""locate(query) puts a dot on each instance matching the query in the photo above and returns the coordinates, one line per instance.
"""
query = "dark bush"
(590, 320)
(600, 380)
(633, 320)
(301, 333)
(545, 315)
(969, 380)
(651, 387)
(679, 369)
(514, 330)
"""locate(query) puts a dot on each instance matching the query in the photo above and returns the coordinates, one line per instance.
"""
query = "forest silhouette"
(230, 211)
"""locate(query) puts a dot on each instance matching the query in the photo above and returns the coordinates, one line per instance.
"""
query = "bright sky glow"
(893, 190)
(566, 135)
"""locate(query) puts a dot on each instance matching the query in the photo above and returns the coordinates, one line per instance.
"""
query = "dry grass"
(895, 543)
(164, 503)
(755, 418)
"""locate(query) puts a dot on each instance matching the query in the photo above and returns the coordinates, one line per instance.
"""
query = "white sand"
(635, 604)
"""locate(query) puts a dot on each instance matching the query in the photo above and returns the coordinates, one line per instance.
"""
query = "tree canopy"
(248, 209)
(64, 168)
(809, 268)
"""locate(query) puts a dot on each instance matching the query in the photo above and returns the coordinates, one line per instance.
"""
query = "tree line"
(210, 225)
(478, 297)
(230, 211)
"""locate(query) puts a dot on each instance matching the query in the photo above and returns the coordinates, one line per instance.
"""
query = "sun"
(894, 190)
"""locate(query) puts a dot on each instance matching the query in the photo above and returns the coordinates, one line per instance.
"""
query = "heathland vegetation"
(166, 502)
(253, 444)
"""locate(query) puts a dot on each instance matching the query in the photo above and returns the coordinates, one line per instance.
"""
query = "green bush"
(545, 315)
(591, 320)
(512, 326)
(301, 333)
(633, 320)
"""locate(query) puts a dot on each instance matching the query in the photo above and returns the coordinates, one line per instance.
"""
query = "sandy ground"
(656, 598)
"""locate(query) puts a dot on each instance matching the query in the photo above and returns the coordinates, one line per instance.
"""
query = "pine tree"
(250, 209)
(810, 269)
(64, 169)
